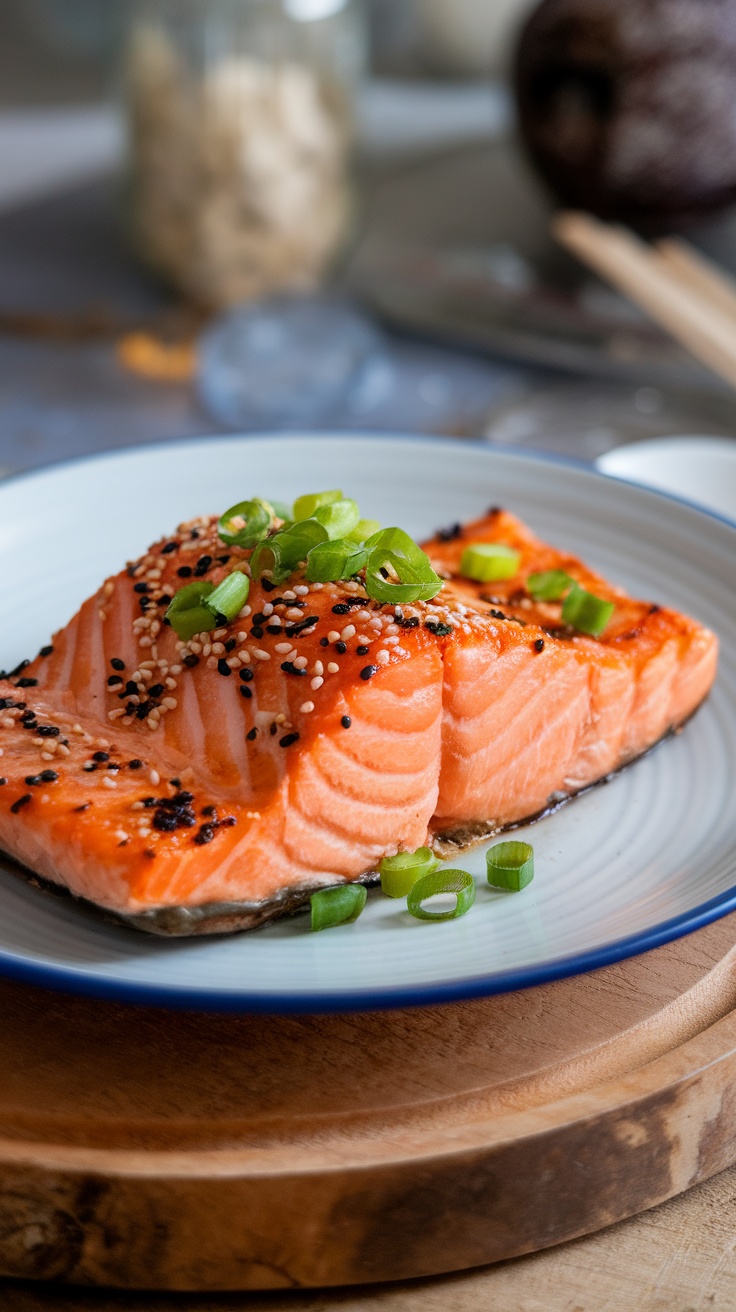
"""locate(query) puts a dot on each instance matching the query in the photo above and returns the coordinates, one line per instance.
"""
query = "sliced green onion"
(331, 561)
(282, 510)
(586, 612)
(339, 517)
(550, 585)
(400, 873)
(304, 507)
(392, 551)
(486, 562)
(283, 552)
(365, 528)
(230, 595)
(337, 906)
(458, 882)
(257, 515)
(188, 612)
(510, 865)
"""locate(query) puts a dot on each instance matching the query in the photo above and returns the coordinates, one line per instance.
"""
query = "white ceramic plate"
(647, 858)
(702, 469)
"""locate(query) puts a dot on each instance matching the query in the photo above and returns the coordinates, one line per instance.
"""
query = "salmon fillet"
(213, 784)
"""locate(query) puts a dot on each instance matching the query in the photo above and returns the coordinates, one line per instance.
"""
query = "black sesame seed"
(32, 779)
(257, 631)
(267, 585)
(20, 667)
(324, 642)
(26, 683)
(245, 691)
(368, 671)
(48, 776)
(231, 644)
(290, 668)
(412, 623)
(246, 674)
(79, 809)
(100, 756)
(362, 651)
(156, 690)
(184, 572)
(194, 533)
(341, 647)
(223, 667)
(48, 731)
(22, 801)
(190, 661)
(288, 739)
(114, 681)
(497, 614)
(89, 766)
(204, 835)
(341, 608)
(228, 822)
(449, 534)
(135, 765)
(141, 587)
(46, 651)
(221, 621)
(131, 688)
(258, 618)
(202, 566)
(251, 735)
(539, 644)
(222, 560)
(117, 664)
(170, 546)
(438, 628)
(273, 628)
(273, 729)
(346, 722)
(165, 600)
(3, 782)
(175, 783)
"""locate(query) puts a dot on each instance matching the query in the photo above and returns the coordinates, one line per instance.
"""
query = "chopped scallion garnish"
(329, 562)
(398, 570)
(230, 595)
(337, 906)
(510, 865)
(365, 528)
(549, 585)
(400, 873)
(458, 882)
(189, 613)
(282, 510)
(283, 552)
(304, 507)
(487, 562)
(246, 523)
(586, 612)
(339, 517)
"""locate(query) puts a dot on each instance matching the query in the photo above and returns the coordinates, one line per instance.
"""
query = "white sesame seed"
(383, 657)
(219, 633)
(300, 663)
(211, 662)
(154, 777)
(316, 587)
(170, 703)
(307, 707)
(196, 647)
(392, 628)
(363, 615)
(280, 718)
(364, 640)
(171, 683)
(116, 715)
(332, 667)
(293, 613)
(137, 806)
(121, 835)
(282, 647)
(145, 642)
(275, 620)
(348, 632)
(207, 649)
(318, 668)
(267, 609)
(127, 719)
(316, 683)
(152, 724)
(300, 590)
(107, 782)
(289, 596)
(218, 649)
(261, 655)
(333, 636)
(234, 662)
(391, 640)
(242, 636)
(147, 665)
(45, 756)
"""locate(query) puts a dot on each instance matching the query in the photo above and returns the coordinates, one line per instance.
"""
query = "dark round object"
(628, 107)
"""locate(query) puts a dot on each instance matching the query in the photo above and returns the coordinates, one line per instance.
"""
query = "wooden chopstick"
(683, 303)
(699, 274)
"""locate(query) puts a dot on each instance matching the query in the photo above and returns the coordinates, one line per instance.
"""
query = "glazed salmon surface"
(320, 730)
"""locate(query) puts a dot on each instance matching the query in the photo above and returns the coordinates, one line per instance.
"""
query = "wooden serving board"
(150, 1149)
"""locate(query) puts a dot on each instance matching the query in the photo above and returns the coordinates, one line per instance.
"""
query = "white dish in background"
(647, 858)
(701, 469)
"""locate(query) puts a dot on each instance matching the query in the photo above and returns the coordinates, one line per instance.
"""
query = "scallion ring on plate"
(400, 873)
(339, 517)
(398, 570)
(230, 595)
(304, 507)
(586, 612)
(246, 523)
(510, 865)
(487, 562)
(188, 612)
(329, 562)
(549, 585)
(283, 552)
(337, 906)
(458, 882)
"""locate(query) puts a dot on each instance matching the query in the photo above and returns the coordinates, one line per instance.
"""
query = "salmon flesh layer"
(214, 784)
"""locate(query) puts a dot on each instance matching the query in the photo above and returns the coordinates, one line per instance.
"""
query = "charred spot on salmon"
(368, 671)
(117, 664)
(184, 572)
(251, 734)
(21, 802)
(288, 739)
(450, 533)
(346, 722)
(46, 651)
(27, 683)
(190, 661)
(290, 668)
(438, 628)
(223, 667)
(539, 644)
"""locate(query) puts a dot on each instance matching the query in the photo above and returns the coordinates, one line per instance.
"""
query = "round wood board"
(151, 1149)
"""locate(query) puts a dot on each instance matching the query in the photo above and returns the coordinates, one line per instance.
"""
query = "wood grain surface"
(151, 1149)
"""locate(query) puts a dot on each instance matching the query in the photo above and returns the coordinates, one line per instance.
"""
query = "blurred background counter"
(431, 239)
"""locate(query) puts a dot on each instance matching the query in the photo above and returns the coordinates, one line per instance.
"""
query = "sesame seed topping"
(368, 671)
(261, 655)
(307, 707)
(332, 667)
(154, 777)
(348, 632)
(333, 636)
(282, 647)
(316, 683)
(346, 722)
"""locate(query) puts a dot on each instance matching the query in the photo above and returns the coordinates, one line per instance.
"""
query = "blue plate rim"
(62, 979)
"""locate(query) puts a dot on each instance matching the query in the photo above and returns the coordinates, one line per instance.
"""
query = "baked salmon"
(211, 782)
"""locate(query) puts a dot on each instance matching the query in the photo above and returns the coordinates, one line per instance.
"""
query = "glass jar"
(240, 118)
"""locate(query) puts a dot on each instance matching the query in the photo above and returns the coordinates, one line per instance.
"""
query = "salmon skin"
(214, 784)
